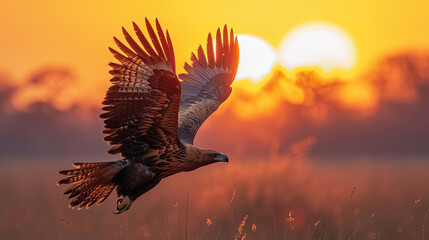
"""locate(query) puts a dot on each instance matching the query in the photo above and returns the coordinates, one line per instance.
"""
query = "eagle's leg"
(129, 181)
(123, 204)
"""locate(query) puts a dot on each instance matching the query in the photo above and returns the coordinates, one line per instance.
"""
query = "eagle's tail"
(92, 182)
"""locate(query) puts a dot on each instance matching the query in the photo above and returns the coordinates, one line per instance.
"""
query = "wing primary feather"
(124, 48)
(231, 49)
(225, 50)
(119, 56)
(154, 39)
(219, 48)
(191, 71)
(171, 53)
(210, 51)
(189, 78)
(194, 59)
(163, 40)
(197, 67)
(115, 65)
(202, 57)
(135, 46)
(143, 40)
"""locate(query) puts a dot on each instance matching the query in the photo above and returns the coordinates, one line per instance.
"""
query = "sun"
(257, 58)
(320, 45)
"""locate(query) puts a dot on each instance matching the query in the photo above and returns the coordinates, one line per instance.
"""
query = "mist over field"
(284, 197)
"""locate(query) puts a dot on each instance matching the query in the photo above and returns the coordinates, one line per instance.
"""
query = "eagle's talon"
(123, 204)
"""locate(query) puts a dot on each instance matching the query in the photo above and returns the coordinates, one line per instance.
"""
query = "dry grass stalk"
(187, 214)
(227, 214)
(239, 235)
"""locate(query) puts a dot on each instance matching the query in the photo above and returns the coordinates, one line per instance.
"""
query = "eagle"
(151, 117)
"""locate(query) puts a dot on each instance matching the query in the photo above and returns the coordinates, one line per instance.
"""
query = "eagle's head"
(207, 156)
(211, 156)
(197, 157)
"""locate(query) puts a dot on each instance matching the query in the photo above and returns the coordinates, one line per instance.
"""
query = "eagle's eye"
(213, 155)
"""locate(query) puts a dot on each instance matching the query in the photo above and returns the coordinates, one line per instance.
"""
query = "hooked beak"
(225, 159)
(221, 158)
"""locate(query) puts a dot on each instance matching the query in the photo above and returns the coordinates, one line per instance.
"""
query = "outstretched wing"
(207, 83)
(141, 107)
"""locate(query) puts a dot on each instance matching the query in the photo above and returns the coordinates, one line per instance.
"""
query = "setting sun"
(318, 45)
(257, 58)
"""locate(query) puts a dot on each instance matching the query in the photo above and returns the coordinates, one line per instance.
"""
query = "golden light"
(360, 96)
(318, 45)
(257, 58)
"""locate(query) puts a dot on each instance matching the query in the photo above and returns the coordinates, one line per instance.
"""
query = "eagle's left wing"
(207, 83)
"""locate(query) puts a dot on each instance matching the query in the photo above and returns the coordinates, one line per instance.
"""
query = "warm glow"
(318, 45)
(250, 100)
(326, 125)
(257, 58)
(360, 96)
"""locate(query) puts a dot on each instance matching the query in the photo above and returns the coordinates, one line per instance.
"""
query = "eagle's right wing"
(141, 107)
(206, 85)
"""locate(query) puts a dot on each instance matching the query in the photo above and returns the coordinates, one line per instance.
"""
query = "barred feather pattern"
(91, 182)
(141, 107)
(207, 83)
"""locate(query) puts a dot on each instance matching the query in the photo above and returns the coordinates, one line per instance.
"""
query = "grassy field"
(282, 198)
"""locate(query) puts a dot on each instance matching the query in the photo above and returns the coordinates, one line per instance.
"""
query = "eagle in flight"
(151, 118)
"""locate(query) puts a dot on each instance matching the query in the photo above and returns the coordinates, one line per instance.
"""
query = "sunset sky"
(76, 34)
(341, 152)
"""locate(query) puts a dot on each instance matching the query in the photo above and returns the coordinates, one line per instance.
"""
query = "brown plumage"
(151, 118)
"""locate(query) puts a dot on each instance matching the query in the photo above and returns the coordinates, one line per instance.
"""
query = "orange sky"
(76, 34)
